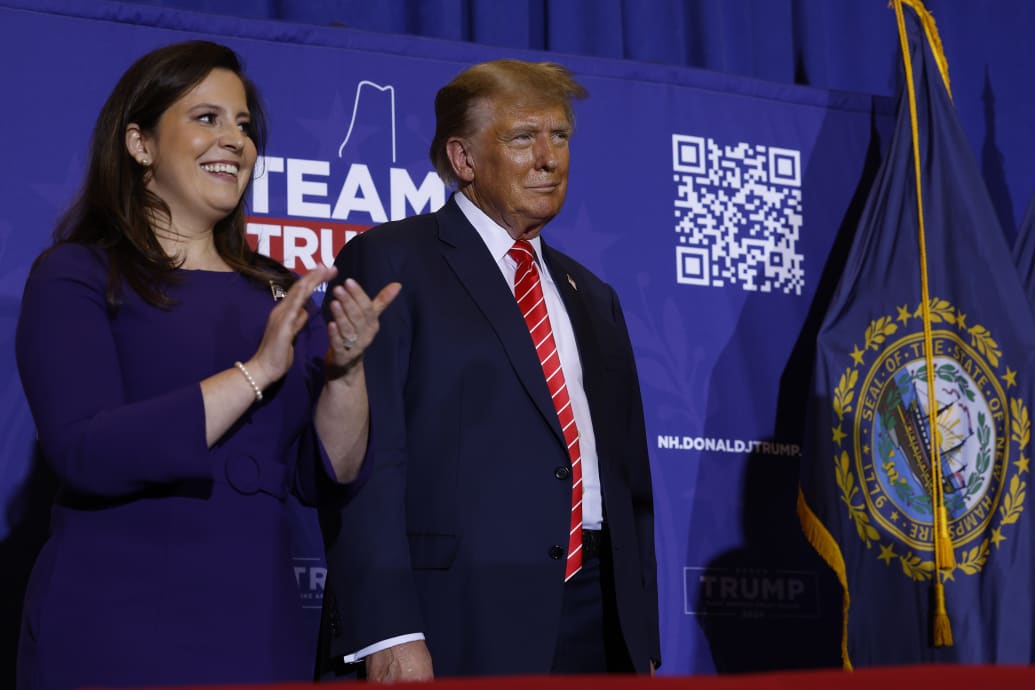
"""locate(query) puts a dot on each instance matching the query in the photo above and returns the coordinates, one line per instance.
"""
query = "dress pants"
(590, 638)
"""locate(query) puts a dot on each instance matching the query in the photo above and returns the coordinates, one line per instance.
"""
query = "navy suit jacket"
(453, 532)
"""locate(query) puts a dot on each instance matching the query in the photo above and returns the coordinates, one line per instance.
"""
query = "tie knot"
(522, 252)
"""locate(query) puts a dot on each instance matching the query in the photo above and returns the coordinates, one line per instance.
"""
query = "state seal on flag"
(884, 465)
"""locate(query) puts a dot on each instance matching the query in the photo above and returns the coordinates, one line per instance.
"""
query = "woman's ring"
(350, 341)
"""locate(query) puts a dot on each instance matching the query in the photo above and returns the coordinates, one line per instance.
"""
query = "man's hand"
(409, 661)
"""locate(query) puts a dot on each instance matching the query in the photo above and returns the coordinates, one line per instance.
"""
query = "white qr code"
(738, 215)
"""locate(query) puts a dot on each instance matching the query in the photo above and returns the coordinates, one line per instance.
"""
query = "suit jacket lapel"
(582, 325)
(476, 270)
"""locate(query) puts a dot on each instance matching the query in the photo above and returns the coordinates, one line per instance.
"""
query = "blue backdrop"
(848, 45)
(720, 208)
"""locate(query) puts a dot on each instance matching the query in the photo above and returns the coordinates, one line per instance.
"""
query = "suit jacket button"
(556, 552)
(562, 472)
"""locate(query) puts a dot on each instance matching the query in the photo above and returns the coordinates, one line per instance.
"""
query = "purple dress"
(168, 562)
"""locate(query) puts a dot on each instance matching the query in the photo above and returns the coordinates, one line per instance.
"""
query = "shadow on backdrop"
(992, 169)
(772, 603)
(28, 513)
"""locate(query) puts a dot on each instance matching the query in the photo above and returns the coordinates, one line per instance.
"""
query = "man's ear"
(458, 150)
(138, 145)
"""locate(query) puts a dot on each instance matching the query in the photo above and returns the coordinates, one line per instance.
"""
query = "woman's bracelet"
(251, 381)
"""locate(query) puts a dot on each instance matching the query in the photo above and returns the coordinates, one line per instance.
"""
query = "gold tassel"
(945, 555)
(942, 624)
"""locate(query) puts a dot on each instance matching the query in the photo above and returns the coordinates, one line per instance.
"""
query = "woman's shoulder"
(65, 270)
(71, 259)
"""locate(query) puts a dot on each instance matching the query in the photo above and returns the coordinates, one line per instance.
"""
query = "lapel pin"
(278, 291)
(571, 281)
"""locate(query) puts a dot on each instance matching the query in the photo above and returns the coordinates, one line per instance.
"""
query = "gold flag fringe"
(817, 534)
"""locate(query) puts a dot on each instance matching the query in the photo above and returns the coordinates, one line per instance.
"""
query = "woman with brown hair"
(182, 386)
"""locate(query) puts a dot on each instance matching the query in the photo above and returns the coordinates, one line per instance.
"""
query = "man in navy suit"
(507, 523)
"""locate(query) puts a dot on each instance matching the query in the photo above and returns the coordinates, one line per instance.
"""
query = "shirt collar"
(494, 235)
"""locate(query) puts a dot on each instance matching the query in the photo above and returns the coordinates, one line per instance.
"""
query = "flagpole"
(944, 558)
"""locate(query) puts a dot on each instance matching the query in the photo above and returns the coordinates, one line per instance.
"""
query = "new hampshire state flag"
(914, 431)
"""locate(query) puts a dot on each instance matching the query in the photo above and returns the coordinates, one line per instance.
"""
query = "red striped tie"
(529, 294)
